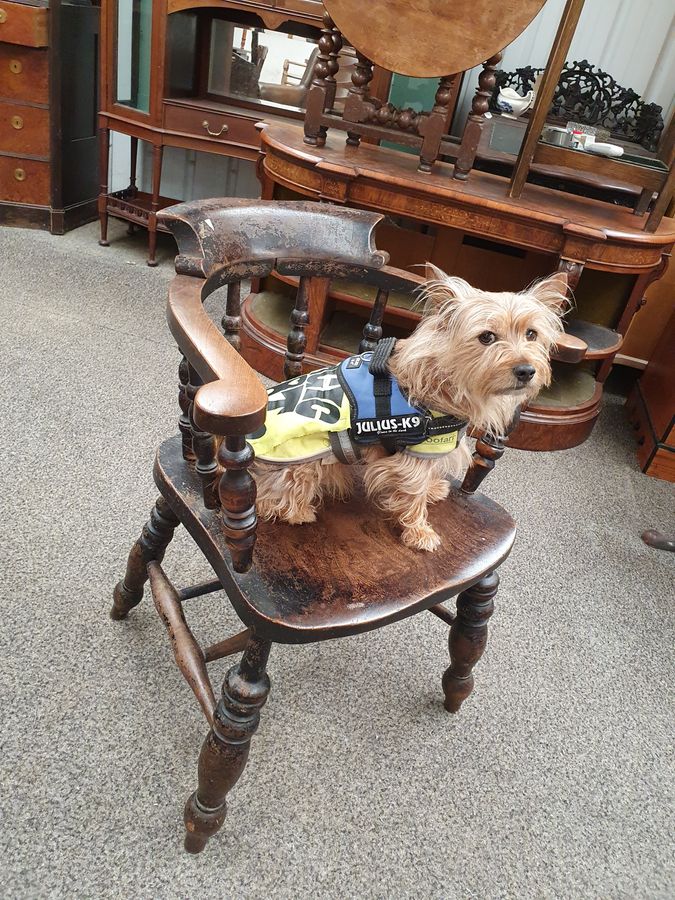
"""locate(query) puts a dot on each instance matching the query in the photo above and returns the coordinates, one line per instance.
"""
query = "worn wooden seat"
(346, 573)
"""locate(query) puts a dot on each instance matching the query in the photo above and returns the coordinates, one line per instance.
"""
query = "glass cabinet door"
(133, 45)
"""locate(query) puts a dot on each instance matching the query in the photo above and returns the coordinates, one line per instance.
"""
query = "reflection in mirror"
(245, 63)
(261, 64)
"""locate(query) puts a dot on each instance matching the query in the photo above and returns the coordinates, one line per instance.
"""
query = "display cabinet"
(201, 75)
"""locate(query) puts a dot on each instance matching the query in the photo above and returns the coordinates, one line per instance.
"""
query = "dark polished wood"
(344, 574)
(651, 410)
(151, 545)
(48, 90)
(187, 652)
(226, 748)
(467, 640)
(306, 584)
(476, 121)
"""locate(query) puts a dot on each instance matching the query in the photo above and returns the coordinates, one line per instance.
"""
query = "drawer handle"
(15, 66)
(3, 16)
(20, 174)
(223, 129)
(17, 122)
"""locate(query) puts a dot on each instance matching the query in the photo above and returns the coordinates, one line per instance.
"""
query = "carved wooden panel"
(586, 94)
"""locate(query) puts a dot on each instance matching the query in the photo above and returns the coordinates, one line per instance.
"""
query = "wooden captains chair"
(346, 573)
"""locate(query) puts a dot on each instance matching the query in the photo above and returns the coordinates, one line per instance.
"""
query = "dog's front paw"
(421, 537)
(301, 517)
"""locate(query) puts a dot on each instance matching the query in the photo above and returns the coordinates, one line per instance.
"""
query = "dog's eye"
(487, 337)
(531, 334)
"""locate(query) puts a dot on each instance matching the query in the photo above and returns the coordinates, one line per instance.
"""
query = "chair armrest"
(232, 400)
(569, 348)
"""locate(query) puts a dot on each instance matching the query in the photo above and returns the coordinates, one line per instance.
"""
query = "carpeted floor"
(555, 780)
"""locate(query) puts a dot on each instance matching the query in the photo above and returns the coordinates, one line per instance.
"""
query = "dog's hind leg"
(291, 494)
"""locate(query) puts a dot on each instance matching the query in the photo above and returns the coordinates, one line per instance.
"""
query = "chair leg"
(225, 750)
(152, 544)
(467, 640)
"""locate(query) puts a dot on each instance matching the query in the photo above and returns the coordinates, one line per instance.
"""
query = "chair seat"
(346, 573)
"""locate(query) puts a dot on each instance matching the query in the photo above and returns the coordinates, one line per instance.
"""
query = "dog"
(474, 358)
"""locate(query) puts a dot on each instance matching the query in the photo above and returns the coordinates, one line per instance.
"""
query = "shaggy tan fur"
(447, 366)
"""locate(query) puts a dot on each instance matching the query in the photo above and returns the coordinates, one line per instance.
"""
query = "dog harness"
(340, 409)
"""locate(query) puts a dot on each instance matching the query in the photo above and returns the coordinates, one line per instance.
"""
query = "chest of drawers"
(48, 85)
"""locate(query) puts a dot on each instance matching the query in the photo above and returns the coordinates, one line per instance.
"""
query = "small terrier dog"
(476, 356)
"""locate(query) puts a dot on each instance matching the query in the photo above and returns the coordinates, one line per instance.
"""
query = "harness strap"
(382, 385)
(443, 424)
(341, 445)
(378, 361)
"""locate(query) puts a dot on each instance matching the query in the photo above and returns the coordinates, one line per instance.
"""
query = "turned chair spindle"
(204, 447)
(237, 492)
(333, 64)
(372, 331)
(317, 96)
(476, 120)
(489, 448)
(184, 424)
(358, 93)
(297, 338)
(433, 127)
(231, 321)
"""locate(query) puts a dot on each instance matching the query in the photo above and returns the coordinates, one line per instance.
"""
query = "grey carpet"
(555, 780)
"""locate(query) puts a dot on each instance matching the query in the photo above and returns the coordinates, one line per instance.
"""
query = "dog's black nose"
(524, 373)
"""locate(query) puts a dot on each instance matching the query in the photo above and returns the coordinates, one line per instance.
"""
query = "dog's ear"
(553, 292)
(443, 291)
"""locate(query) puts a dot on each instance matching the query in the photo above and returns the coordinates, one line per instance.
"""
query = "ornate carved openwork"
(589, 95)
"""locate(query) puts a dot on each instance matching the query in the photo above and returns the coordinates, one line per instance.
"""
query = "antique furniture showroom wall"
(335, 102)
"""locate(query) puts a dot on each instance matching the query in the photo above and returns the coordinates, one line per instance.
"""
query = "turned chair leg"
(225, 750)
(152, 544)
(467, 640)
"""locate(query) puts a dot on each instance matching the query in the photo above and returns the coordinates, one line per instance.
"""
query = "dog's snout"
(524, 373)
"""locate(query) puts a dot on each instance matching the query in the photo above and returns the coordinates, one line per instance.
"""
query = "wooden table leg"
(157, 152)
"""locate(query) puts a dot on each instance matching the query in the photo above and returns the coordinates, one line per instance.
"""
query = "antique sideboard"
(471, 229)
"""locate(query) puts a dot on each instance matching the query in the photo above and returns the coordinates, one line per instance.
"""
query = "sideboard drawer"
(24, 180)
(24, 129)
(207, 123)
(21, 24)
(24, 74)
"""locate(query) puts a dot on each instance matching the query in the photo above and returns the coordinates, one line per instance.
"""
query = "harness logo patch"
(391, 425)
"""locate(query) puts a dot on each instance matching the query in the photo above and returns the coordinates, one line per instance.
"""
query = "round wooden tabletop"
(430, 38)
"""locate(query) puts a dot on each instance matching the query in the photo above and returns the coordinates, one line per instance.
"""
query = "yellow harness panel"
(302, 413)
